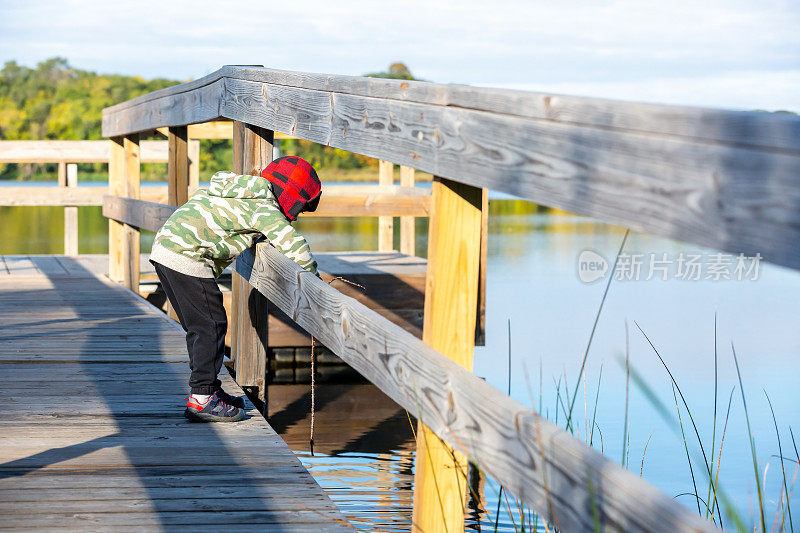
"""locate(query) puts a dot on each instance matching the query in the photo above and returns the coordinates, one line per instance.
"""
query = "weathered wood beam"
(152, 215)
(38, 196)
(538, 462)
(138, 213)
(723, 179)
(744, 128)
(73, 151)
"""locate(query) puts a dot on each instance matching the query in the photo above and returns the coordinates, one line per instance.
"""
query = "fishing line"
(313, 371)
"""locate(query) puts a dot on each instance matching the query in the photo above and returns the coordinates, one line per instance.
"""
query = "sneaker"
(213, 410)
(236, 401)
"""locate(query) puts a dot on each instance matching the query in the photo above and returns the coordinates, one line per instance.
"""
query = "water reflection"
(363, 448)
(364, 445)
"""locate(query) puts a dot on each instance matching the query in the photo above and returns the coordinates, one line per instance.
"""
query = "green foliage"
(57, 101)
(397, 71)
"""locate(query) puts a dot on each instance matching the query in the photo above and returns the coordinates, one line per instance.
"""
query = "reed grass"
(783, 466)
(752, 443)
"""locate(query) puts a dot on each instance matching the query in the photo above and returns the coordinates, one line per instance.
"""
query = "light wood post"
(194, 166)
(116, 187)
(130, 249)
(252, 151)
(62, 173)
(480, 322)
(407, 236)
(177, 166)
(71, 213)
(451, 296)
(385, 223)
(177, 175)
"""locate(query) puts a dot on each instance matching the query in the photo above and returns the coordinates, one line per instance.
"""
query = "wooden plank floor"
(92, 434)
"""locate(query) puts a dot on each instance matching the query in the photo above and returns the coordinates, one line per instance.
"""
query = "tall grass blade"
(783, 467)
(752, 443)
(714, 430)
(596, 401)
(627, 391)
(686, 447)
(644, 452)
(683, 399)
(719, 455)
(594, 326)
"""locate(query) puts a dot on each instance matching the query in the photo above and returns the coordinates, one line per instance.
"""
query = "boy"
(203, 237)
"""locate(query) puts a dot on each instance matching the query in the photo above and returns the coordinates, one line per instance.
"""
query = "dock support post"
(70, 212)
(194, 166)
(116, 187)
(407, 236)
(252, 151)
(451, 303)
(177, 175)
(177, 166)
(385, 223)
(131, 245)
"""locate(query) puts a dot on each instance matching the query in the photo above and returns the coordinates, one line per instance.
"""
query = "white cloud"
(614, 47)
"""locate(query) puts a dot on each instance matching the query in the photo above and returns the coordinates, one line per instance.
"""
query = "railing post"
(131, 246)
(177, 166)
(177, 175)
(116, 187)
(252, 151)
(407, 236)
(194, 166)
(451, 296)
(71, 213)
(385, 223)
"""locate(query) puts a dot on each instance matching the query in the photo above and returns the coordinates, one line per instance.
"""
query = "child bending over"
(202, 238)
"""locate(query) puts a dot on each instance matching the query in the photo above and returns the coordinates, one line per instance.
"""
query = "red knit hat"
(294, 183)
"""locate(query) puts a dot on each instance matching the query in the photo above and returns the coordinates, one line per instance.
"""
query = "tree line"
(55, 100)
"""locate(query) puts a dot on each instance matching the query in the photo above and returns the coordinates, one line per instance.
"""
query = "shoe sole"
(201, 417)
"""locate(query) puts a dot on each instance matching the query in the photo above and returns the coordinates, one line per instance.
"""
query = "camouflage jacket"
(205, 235)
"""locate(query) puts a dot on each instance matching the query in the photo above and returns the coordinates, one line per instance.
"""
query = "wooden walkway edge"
(92, 434)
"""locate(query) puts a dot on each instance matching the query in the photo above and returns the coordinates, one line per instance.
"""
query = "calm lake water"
(363, 442)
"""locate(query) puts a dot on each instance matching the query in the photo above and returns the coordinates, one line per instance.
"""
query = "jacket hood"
(231, 185)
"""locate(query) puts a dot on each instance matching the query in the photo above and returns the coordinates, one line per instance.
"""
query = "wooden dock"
(92, 434)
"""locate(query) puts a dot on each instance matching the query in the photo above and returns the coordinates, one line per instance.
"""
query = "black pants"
(198, 304)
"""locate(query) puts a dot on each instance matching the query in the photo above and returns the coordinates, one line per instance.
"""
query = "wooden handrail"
(534, 459)
(73, 151)
(725, 179)
(363, 201)
(718, 178)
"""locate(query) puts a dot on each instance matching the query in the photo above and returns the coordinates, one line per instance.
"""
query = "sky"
(717, 53)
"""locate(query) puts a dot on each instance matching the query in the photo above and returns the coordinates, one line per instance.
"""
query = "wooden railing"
(68, 154)
(729, 180)
(405, 201)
